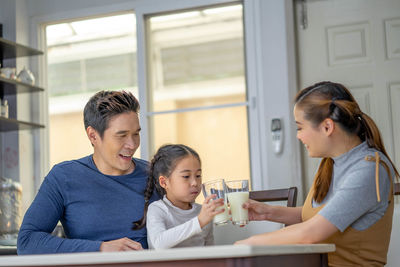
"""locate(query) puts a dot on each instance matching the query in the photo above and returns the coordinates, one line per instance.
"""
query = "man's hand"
(123, 244)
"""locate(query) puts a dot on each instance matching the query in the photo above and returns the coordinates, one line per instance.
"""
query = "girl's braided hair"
(162, 164)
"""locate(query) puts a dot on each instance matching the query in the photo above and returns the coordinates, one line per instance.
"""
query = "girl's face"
(313, 138)
(184, 183)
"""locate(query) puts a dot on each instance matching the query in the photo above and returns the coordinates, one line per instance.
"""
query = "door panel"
(356, 43)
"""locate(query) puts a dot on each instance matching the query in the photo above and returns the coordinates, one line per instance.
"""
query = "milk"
(239, 214)
(222, 218)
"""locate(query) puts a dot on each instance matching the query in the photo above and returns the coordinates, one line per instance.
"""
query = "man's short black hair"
(104, 105)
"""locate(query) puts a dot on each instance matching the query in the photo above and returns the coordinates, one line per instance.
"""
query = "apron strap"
(377, 161)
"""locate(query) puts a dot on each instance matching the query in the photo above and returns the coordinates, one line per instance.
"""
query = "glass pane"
(196, 54)
(197, 60)
(86, 56)
(65, 78)
(112, 72)
(220, 136)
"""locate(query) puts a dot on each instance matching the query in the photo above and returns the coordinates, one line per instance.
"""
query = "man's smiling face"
(113, 152)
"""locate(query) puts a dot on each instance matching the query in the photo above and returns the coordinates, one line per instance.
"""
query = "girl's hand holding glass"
(209, 209)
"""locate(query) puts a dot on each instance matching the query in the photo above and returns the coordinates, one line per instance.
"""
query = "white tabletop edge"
(162, 254)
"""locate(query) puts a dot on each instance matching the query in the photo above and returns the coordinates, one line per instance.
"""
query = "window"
(86, 56)
(197, 93)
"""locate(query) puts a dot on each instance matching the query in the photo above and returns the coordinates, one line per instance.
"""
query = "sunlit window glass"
(197, 93)
(86, 56)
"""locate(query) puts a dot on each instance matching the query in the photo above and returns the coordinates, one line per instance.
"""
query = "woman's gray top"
(352, 198)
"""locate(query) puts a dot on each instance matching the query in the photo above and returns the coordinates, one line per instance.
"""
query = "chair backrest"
(289, 194)
(396, 190)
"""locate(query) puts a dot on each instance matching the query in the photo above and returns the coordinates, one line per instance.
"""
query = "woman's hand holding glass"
(257, 211)
(209, 209)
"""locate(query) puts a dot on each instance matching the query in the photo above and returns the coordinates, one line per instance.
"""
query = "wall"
(18, 147)
(276, 75)
(24, 110)
(9, 157)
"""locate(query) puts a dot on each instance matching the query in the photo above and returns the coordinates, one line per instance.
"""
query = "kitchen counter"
(193, 256)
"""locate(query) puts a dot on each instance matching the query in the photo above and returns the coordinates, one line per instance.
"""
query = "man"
(97, 197)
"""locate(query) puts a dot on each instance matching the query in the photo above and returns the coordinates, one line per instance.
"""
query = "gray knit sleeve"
(354, 202)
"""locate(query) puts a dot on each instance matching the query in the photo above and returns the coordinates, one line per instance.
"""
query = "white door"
(356, 43)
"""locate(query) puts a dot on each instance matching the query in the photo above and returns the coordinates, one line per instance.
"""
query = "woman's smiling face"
(311, 136)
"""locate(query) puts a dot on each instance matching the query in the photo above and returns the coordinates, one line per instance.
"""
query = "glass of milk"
(238, 193)
(217, 187)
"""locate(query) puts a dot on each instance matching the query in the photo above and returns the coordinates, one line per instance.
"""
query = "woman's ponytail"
(374, 139)
(332, 100)
(323, 179)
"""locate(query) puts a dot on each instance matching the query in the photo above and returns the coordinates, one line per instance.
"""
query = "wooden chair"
(288, 194)
(396, 190)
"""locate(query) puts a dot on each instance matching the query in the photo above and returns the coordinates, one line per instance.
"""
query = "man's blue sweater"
(91, 206)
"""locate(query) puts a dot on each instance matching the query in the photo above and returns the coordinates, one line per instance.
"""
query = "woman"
(351, 201)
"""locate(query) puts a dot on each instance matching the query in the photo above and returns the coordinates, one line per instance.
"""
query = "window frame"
(142, 52)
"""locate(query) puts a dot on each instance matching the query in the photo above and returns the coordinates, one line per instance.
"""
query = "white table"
(239, 255)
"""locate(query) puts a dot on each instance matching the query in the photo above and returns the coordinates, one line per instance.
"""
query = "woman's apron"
(368, 247)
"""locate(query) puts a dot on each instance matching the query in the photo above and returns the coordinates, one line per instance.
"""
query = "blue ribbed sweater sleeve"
(41, 218)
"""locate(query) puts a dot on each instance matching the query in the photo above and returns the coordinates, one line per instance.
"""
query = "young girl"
(175, 220)
(351, 201)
